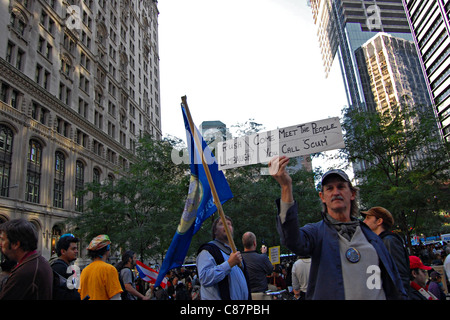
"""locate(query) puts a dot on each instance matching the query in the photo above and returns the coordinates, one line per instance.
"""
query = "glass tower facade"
(429, 23)
(390, 73)
(345, 25)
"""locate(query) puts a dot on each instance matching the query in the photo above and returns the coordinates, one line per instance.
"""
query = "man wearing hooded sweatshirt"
(348, 260)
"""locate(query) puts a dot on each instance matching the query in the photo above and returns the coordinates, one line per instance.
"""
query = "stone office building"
(79, 84)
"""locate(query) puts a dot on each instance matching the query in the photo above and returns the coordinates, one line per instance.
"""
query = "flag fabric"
(199, 203)
(148, 274)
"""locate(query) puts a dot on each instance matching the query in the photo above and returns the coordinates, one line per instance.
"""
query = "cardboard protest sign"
(274, 255)
(294, 141)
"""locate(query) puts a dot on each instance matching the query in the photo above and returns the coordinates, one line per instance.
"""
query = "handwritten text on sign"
(274, 255)
(294, 141)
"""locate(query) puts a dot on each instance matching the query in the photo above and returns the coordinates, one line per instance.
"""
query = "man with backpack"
(127, 278)
(65, 277)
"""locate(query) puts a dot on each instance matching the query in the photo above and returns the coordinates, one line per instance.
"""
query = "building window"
(65, 94)
(98, 119)
(98, 148)
(18, 21)
(10, 96)
(58, 191)
(66, 67)
(34, 171)
(69, 44)
(83, 108)
(15, 99)
(82, 138)
(20, 59)
(10, 49)
(39, 113)
(79, 186)
(62, 127)
(6, 141)
(96, 175)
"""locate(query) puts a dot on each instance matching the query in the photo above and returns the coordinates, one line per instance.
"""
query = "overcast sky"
(240, 60)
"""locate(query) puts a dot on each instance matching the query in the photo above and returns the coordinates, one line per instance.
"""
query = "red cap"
(416, 263)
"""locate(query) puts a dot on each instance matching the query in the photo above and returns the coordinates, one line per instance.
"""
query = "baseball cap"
(416, 263)
(380, 212)
(337, 172)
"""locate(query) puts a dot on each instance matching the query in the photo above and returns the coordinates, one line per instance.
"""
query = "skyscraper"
(430, 26)
(390, 72)
(214, 131)
(345, 25)
(79, 85)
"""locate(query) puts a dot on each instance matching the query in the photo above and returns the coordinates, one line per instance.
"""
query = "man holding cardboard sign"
(349, 261)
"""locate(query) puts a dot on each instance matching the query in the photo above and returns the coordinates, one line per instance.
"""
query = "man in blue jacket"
(349, 261)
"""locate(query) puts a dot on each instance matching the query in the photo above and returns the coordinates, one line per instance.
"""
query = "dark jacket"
(321, 241)
(60, 276)
(258, 268)
(30, 280)
(396, 248)
(415, 295)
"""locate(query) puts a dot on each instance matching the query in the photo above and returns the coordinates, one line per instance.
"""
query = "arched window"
(33, 172)
(66, 65)
(34, 153)
(18, 21)
(79, 186)
(6, 141)
(111, 178)
(96, 177)
(58, 188)
(102, 34)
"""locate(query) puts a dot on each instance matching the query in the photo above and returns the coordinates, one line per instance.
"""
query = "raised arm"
(277, 169)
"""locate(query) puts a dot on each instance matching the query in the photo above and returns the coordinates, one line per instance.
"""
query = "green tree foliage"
(138, 209)
(400, 163)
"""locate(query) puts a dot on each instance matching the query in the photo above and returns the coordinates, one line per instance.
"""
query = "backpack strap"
(125, 294)
(224, 288)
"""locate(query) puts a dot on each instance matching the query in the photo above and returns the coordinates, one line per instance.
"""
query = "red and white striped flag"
(148, 274)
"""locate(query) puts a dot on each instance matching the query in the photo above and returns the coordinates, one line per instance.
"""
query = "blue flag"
(199, 203)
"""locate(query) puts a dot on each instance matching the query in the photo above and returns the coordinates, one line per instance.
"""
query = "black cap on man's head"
(335, 172)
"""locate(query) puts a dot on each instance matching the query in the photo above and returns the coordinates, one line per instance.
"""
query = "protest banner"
(293, 141)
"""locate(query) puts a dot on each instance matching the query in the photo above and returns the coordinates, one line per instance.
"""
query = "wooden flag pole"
(208, 175)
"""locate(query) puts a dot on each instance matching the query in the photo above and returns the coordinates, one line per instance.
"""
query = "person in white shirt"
(447, 263)
(300, 277)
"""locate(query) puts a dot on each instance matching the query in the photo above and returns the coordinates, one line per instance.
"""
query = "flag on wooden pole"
(208, 190)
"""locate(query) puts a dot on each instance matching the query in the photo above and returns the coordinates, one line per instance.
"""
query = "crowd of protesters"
(340, 257)
(432, 253)
(27, 275)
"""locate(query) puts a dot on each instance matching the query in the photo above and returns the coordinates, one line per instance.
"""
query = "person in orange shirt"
(100, 280)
